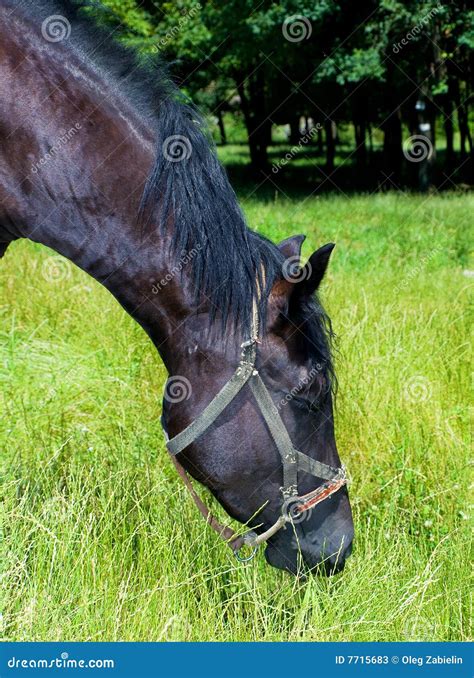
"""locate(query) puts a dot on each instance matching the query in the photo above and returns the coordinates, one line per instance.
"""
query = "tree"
(336, 61)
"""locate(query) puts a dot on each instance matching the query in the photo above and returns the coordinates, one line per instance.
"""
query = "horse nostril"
(336, 561)
(329, 559)
(334, 565)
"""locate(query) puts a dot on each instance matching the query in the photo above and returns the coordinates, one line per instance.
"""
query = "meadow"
(100, 540)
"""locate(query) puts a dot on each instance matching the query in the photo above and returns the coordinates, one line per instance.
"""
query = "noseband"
(293, 505)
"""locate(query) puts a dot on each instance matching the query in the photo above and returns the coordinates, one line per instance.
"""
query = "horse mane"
(194, 195)
(316, 335)
(231, 264)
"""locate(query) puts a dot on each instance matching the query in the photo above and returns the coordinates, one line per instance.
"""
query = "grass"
(100, 539)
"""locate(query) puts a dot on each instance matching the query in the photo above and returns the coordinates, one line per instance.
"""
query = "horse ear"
(314, 269)
(297, 280)
(283, 289)
(291, 247)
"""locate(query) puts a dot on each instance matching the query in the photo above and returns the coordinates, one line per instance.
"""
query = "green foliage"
(132, 23)
(361, 62)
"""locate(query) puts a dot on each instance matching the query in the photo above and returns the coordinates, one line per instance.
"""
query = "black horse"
(102, 160)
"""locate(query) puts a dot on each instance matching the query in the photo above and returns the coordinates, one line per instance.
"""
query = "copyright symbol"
(395, 659)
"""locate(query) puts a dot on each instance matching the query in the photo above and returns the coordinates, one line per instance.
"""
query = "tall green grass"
(100, 539)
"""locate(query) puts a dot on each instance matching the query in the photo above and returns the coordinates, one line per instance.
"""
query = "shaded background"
(349, 84)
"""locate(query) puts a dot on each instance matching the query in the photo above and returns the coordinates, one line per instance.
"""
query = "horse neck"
(74, 174)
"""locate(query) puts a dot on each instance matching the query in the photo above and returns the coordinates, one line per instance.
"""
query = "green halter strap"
(292, 459)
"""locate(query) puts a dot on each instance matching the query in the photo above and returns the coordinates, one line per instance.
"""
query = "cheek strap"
(292, 459)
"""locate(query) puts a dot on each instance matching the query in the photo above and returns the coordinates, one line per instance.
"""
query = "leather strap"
(226, 533)
(279, 434)
(217, 405)
(315, 467)
(291, 458)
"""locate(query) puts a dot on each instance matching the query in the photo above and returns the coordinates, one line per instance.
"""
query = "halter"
(293, 505)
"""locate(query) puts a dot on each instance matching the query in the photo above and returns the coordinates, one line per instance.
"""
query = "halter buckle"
(289, 492)
(342, 473)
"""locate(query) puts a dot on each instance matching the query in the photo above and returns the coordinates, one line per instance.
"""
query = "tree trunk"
(392, 146)
(449, 132)
(462, 117)
(268, 132)
(294, 130)
(330, 130)
(320, 141)
(361, 150)
(425, 129)
(464, 130)
(463, 122)
(258, 127)
(359, 116)
(220, 123)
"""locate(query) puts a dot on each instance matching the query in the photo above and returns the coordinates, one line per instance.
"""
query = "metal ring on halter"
(242, 559)
(248, 539)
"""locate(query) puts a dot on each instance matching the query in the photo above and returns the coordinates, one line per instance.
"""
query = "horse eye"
(303, 403)
(313, 405)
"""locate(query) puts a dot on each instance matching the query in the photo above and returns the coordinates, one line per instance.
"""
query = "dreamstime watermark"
(186, 258)
(62, 662)
(419, 630)
(291, 509)
(416, 30)
(296, 28)
(416, 270)
(177, 389)
(316, 369)
(306, 138)
(56, 269)
(177, 148)
(64, 138)
(56, 28)
(173, 32)
(176, 629)
(293, 271)
(417, 389)
(418, 148)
